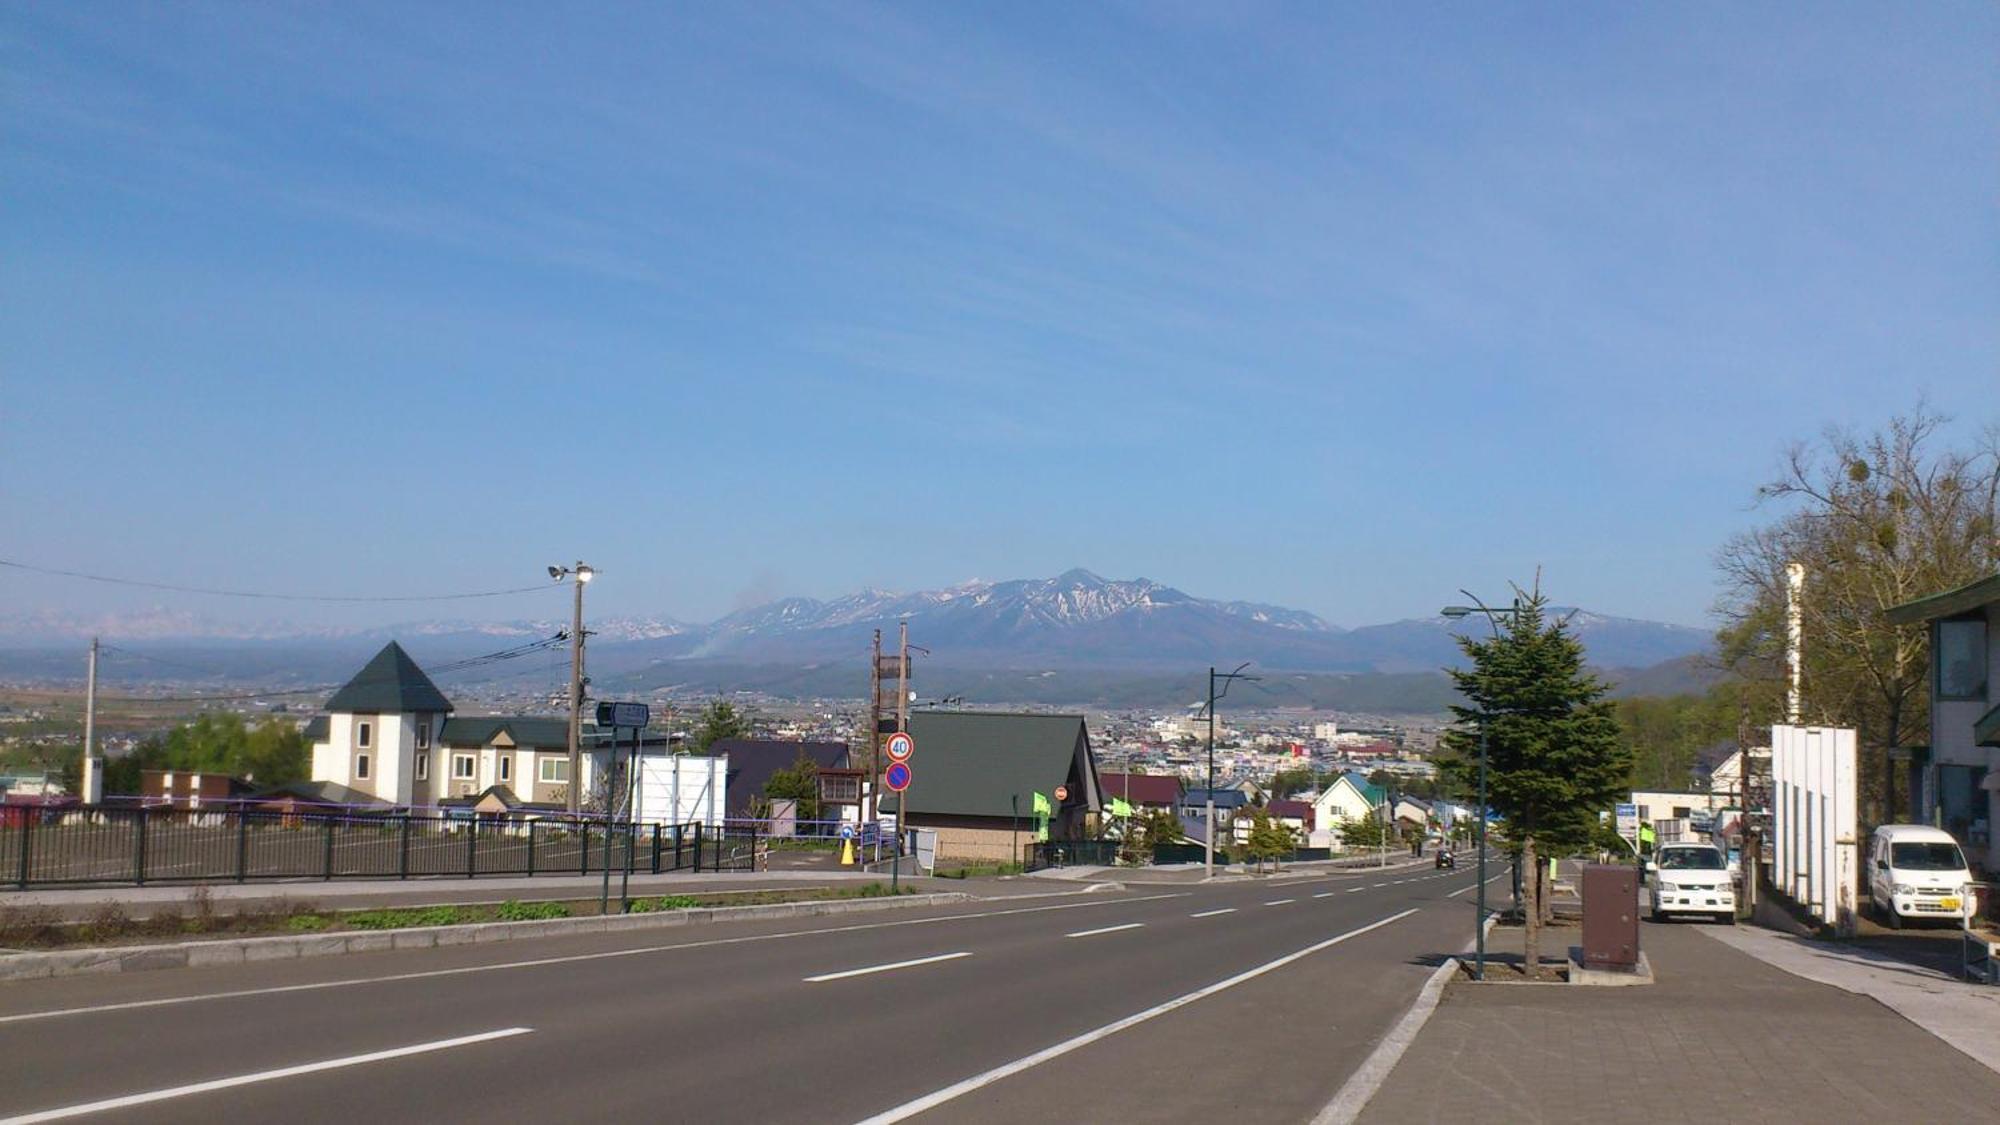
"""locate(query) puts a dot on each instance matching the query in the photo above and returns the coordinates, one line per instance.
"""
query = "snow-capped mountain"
(1074, 620)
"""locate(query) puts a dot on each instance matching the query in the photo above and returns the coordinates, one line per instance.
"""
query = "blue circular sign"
(897, 777)
(847, 832)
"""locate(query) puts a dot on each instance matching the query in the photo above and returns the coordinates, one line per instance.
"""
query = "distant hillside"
(1095, 629)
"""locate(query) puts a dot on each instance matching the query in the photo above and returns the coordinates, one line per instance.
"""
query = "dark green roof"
(974, 763)
(390, 684)
(1951, 603)
(317, 729)
(525, 730)
(1986, 732)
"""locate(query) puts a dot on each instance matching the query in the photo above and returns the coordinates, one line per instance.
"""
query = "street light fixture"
(583, 574)
(1457, 613)
(1208, 824)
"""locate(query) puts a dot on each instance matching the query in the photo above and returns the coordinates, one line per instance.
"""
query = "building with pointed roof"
(976, 774)
(390, 735)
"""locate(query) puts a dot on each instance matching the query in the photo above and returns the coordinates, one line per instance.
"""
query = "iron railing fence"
(164, 845)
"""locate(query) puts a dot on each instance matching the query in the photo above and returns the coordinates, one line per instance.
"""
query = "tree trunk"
(1545, 893)
(1531, 913)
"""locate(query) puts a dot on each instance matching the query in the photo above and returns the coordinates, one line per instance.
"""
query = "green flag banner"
(1042, 805)
(1120, 807)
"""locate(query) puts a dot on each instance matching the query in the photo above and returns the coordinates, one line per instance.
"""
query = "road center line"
(1213, 913)
(1324, 894)
(960, 1089)
(565, 959)
(845, 973)
(1106, 930)
(1280, 901)
(1356, 890)
(260, 1076)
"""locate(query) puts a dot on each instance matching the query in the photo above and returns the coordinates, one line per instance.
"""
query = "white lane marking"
(1106, 930)
(1280, 901)
(260, 1076)
(539, 962)
(1213, 913)
(1373, 885)
(1324, 894)
(960, 1089)
(1356, 890)
(862, 972)
(1474, 886)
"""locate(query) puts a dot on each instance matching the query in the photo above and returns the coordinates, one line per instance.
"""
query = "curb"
(235, 951)
(1361, 1086)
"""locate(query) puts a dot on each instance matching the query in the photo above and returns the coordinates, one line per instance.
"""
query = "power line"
(265, 595)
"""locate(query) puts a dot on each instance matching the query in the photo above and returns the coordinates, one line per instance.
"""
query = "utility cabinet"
(1610, 916)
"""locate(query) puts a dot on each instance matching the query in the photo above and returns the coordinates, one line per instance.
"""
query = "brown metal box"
(1610, 917)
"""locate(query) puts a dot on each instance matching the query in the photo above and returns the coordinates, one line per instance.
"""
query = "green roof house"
(975, 774)
(390, 735)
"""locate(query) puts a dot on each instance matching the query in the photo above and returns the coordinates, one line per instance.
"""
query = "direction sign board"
(623, 715)
(897, 776)
(900, 746)
(1628, 820)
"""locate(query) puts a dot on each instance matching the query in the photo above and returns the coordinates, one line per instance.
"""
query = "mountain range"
(1075, 620)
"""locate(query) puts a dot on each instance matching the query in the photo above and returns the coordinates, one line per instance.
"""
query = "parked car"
(1916, 871)
(1690, 879)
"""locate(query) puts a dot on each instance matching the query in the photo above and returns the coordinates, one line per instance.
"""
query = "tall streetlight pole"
(582, 575)
(1208, 824)
(1455, 613)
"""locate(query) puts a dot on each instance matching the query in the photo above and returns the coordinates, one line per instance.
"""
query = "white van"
(1691, 879)
(1916, 871)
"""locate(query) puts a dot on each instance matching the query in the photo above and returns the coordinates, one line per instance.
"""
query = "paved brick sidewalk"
(1721, 1036)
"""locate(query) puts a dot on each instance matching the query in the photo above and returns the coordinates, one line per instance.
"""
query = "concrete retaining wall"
(234, 951)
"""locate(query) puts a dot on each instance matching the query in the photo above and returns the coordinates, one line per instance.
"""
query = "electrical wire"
(265, 595)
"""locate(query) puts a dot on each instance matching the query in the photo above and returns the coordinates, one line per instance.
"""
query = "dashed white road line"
(957, 1090)
(862, 972)
(1356, 890)
(1106, 930)
(261, 1076)
(1280, 901)
(1213, 913)
(1324, 894)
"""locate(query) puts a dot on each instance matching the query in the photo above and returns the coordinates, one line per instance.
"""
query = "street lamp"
(1208, 860)
(583, 574)
(1457, 613)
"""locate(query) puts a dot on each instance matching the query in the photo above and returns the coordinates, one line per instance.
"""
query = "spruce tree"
(1554, 755)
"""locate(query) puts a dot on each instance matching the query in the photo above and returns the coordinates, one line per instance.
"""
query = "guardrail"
(151, 845)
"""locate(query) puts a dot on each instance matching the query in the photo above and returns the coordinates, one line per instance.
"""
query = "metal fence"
(153, 845)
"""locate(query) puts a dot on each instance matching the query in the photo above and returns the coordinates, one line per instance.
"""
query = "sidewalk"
(139, 902)
(1721, 1036)
(1967, 1016)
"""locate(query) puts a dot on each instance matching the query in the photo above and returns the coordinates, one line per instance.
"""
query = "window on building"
(423, 767)
(363, 732)
(462, 766)
(360, 767)
(555, 771)
(424, 735)
(506, 767)
(1961, 659)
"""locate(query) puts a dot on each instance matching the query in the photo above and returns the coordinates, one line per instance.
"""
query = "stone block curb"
(232, 951)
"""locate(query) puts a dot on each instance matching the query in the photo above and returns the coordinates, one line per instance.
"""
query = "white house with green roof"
(390, 734)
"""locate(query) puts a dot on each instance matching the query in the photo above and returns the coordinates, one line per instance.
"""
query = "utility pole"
(872, 804)
(88, 776)
(902, 727)
(579, 575)
(1208, 817)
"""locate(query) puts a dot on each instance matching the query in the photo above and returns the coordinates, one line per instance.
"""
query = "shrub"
(305, 923)
(512, 911)
(663, 902)
(107, 923)
(405, 918)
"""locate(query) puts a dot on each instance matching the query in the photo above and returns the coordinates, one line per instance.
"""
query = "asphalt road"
(1157, 1003)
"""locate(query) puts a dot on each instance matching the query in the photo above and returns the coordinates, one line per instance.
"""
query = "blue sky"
(1334, 307)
